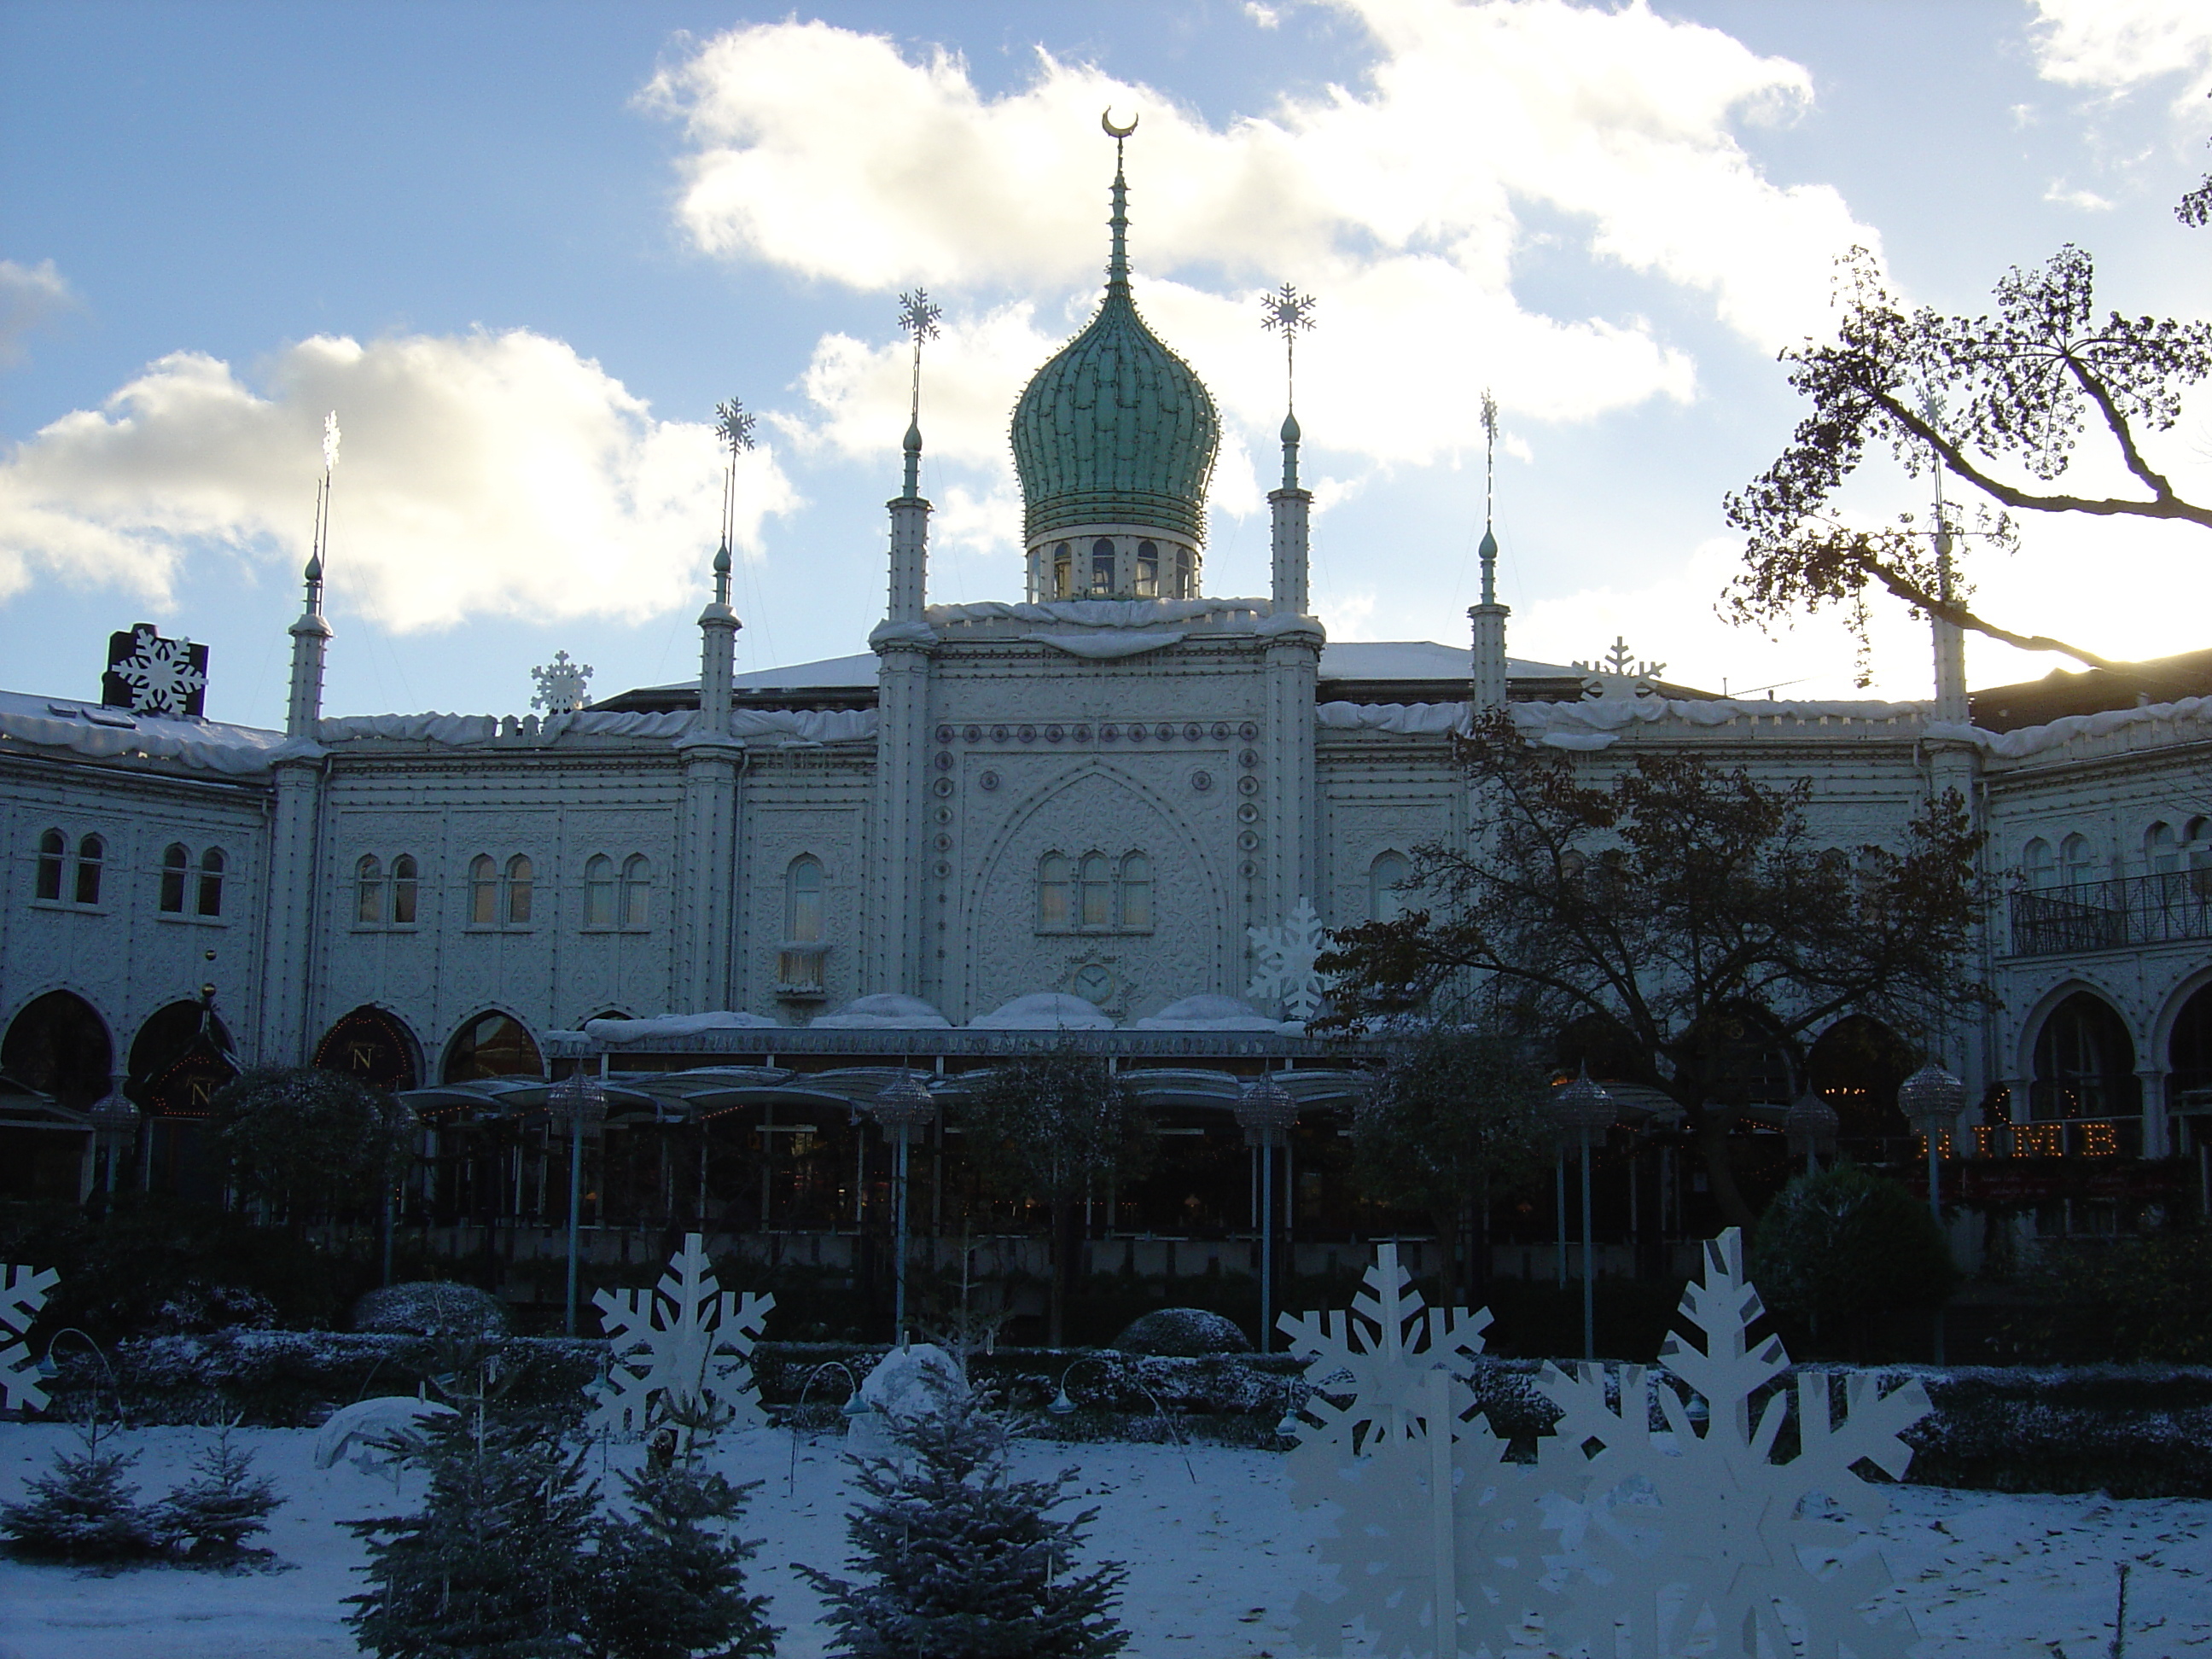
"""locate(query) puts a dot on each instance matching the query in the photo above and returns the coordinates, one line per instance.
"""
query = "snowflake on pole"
(23, 1292)
(1378, 1351)
(1287, 958)
(681, 1347)
(149, 675)
(1709, 1527)
(563, 684)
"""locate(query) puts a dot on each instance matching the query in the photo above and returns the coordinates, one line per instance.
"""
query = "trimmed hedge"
(2135, 1432)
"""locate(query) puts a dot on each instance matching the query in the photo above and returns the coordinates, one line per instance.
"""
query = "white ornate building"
(1101, 807)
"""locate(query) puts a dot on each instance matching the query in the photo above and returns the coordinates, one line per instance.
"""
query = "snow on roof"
(857, 671)
(103, 733)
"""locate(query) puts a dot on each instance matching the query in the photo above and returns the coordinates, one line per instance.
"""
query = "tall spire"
(718, 624)
(1489, 687)
(310, 633)
(1489, 548)
(1289, 313)
(1117, 261)
(918, 316)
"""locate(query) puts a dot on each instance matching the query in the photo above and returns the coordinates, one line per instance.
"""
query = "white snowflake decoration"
(687, 1340)
(23, 1292)
(1288, 955)
(161, 673)
(1420, 1522)
(563, 685)
(1689, 1530)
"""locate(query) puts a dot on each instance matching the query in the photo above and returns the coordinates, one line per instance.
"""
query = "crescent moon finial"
(1106, 120)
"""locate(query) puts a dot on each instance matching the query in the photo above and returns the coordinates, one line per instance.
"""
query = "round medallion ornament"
(1248, 785)
(944, 870)
(1247, 813)
(973, 733)
(945, 814)
(944, 761)
(1248, 758)
(1247, 869)
(1027, 734)
(987, 781)
(1081, 734)
(1136, 734)
(998, 734)
(1053, 734)
(1192, 731)
(1247, 730)
(1164, 732)
(1108, 733)
(1248, 841)
(944, 734)
(1221, 731)
(1201, 780)
(943, 843)
(941, 788)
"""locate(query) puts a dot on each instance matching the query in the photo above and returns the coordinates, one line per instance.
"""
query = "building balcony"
(2112, 915)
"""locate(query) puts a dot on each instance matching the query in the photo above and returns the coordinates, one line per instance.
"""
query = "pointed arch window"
(2162, 850)
(176, 860)
(600, 892)
(2038, 865)
(406, 883)
(369, 891)
(1386, 877)
(91, 859)
(636, 891)
(2197, 843)
(1136, 893)
(212, 864)
(52, 847)
(520, 875)
(484, 891)
(802, 901)
(2077, 860)
(1095, 892)
(1056, 891)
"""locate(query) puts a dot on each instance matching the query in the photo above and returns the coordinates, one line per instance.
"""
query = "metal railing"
(2106, 915)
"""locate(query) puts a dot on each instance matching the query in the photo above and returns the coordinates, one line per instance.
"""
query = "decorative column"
(2157, 1131)
(1487, 689)
(1291, 509)
(287, 960)
(903, 643)
(1288, 807)
(704, 897)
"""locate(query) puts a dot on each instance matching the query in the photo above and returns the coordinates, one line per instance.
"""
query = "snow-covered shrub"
(954, 1560)
(207, 1519)
(1838, 1245)
(85, 1510)
(197, 1307)
(431, 1307)
(1183, 1333)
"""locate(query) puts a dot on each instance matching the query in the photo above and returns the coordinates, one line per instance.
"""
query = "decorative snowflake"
(682, 1344)
(23, 1292)
(1709, 1527)
(162, 675)
(1288, 955)
(1392, 1542)
(561, 685)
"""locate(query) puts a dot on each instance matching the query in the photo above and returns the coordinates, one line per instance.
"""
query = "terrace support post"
(1590, 1304)
(1443, 1547)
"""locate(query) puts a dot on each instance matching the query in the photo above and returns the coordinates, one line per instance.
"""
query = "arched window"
(52, 845)
(2162, 850)
(2085, 1062)
(1148, 570)
(373, 1045)
(484, 891)
(492, 1045)
(1063, 572)
(91, 854)
(1385, 878)
(2038, 865)
(1056, 891)
(211, 868)
(1186, 575)
(802, 901)
(59, 1045)
(1096, 892)
(1101, 566)
(367, 890)
(599, 891)
(176, 859)
(1137, 893)
(518, 890)
(2197, 843)
(636, 886)
(403, 884)
(2077, 862)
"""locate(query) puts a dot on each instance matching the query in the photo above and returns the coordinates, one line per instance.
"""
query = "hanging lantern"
(902, 1106)
(1583, 1105)
(1267, 1113)
(579, 1098)
(1811, 1124)
(1931, 1100)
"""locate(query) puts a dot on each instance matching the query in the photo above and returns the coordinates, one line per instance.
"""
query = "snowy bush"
(1181, 1333)
(954, 1560)
(432, 1307)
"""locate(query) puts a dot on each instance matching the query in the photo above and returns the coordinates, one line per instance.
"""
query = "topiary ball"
(1183, 1334)
(433, 1308)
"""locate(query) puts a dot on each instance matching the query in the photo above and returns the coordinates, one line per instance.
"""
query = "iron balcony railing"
(2106, 915)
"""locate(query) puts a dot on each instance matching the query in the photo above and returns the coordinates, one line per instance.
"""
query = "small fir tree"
(493, 1565)
(208, 1520)
(84, 1511)
(669, 1582)
(1837, 1245)
(955, 1561)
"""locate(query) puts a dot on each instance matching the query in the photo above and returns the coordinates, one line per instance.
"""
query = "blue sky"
(524, 249)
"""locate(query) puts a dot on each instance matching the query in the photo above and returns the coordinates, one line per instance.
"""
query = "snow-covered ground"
(1216, 1565)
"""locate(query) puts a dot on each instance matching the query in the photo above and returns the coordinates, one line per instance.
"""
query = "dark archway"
(2189, 1055)
(1855, 1065)
(492, 1045)
(59, 1045)
(2085, 1063)
(180, 1056)
(373, 1046)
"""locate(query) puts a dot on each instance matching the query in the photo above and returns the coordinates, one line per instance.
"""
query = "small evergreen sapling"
(493, 1565)
(956, 1560)
(669, 1582)
(84, 1511)
(207, 1519)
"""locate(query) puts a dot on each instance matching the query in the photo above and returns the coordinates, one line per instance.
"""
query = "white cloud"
(488, 475)
(2118, 45)
(2059, 195)
(30, 296)
(1402, 201)
(1266, 16)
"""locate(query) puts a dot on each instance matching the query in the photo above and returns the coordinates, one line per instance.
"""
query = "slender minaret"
(1949, 639)
(311, 634)
(1289, 313)
(1489, 618)
(909, 591)
(706, 887)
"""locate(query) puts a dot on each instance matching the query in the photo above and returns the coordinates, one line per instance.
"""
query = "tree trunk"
(1712, 1129)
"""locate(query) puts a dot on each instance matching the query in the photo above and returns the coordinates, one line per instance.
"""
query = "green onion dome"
(1116, 429)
